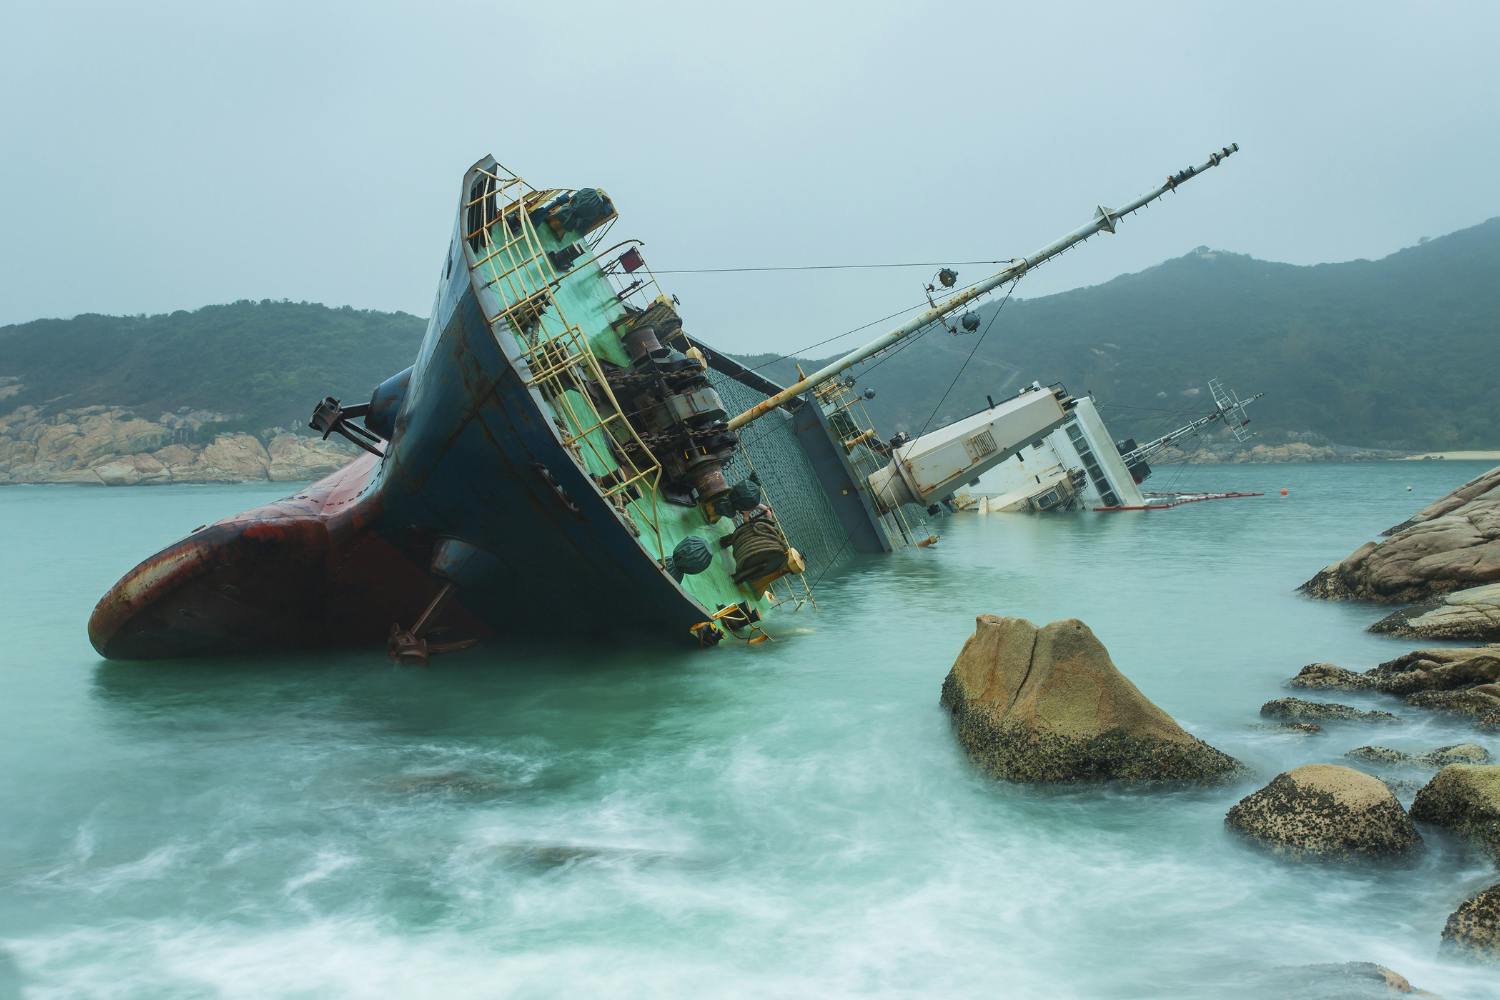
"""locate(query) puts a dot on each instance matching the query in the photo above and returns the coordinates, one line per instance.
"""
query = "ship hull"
(473, 459)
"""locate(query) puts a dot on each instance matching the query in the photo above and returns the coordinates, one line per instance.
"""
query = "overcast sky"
(157, 156)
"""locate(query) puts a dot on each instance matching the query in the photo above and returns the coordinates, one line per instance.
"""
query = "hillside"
(219, 394)
(265, 364)
(1397, 353)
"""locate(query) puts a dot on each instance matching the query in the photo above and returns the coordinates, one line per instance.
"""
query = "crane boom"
(1104, 220)
(1225, 413)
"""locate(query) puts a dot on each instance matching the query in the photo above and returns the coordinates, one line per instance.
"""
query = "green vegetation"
(1402, 352)
(265, 362)
(1394, 353)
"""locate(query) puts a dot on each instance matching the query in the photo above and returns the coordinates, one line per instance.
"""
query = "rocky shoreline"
(1444, 559)
(113, 446)
(1290, 452)
(1046, 705)
(116, 446)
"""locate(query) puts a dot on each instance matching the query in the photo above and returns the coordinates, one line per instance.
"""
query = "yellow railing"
(560, 362)
(838, 396)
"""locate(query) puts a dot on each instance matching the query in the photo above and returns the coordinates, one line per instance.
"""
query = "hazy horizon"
(182, 154)
(666, 282)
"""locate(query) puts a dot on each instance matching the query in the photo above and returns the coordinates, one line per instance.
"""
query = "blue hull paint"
(472, 455)
(468, 461)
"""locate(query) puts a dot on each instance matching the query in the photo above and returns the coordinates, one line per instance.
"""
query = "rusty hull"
(305, 571)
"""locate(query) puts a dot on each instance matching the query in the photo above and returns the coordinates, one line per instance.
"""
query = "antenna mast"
(1228, 407)
(1105, 220)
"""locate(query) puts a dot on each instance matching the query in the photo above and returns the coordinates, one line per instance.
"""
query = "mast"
(1105, 220)
(1223, 412)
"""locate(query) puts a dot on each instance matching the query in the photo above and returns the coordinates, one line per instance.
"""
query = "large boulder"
(1328, 811)
(1472, 614)
(1298, 710)
(1464, 798)
(1047, 705)
(1473, 930)
(1452, 544)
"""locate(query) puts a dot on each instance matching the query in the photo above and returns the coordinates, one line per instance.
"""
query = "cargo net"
(769, 451)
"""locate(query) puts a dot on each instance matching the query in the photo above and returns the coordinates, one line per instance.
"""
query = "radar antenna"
(1231, 409)
(1228, 407)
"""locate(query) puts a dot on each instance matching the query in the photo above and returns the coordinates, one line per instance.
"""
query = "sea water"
(785, 820)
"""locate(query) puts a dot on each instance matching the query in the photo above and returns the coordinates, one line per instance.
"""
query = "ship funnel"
(1105, 220)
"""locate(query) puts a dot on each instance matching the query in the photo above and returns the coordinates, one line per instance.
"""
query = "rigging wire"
(888, 355)
(1145, 409)
(831, 562)
(838, 336)
(798, 352)
(974, 350)
(820, 267)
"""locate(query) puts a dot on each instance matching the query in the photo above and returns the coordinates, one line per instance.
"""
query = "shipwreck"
(563, 460)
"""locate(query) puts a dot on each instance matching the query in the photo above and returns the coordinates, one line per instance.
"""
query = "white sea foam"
(784, 821)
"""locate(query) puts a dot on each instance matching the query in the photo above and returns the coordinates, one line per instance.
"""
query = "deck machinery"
(563, 460)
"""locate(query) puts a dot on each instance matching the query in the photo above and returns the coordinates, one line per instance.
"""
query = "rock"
(132, 470)
(1297, 452)
(1327, 677)
(1464, 798)
(1463, 680)
(297, 458)
(1473, 930)
(1464, 614)
(1477, 488)
(1379, 755)
(1453, 544)
(1442, 669)
(1458, 753)
(112, 445)
(1328, 811)
(1481, 704)
(234, 458)
(1334, 981)
(1048, 705)
(1298, 710)
(1300, 727)
(175, 455)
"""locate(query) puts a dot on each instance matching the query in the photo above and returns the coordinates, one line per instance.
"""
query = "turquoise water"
(792, 819)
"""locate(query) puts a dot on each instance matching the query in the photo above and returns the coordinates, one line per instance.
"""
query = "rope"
(759, 547)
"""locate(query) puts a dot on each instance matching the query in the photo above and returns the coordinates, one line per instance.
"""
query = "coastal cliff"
(113, 446)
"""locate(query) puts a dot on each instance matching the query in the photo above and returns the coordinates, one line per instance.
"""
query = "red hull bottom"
(308, 570)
